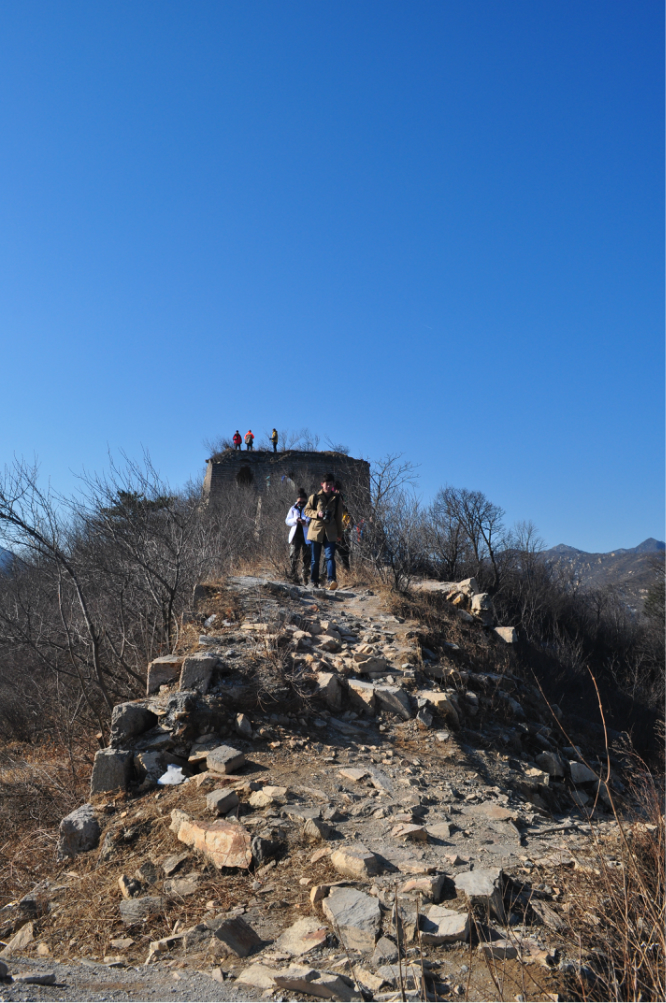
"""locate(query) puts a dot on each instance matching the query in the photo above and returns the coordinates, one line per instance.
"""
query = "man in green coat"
(324, 509)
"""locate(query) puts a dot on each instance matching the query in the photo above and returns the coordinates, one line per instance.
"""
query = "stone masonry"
(260, 469)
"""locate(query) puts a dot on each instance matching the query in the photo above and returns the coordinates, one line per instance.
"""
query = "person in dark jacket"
(298, 542)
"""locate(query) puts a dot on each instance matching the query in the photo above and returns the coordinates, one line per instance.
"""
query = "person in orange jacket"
(249, 440)
(237, 440)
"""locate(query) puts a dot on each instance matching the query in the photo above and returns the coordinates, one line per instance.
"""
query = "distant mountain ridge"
(649, 546)
(630, 570)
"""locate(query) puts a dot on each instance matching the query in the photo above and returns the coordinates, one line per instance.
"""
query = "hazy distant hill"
(630, 570)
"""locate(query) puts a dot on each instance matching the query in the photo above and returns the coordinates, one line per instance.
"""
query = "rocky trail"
(362, 817)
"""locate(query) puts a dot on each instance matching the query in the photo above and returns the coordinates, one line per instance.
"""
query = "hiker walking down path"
(237, 440)
(274, 439)
(324, 509)
(249, 440)
(298, 543)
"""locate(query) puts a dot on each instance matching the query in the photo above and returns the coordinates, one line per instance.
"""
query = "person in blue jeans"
(324, 510)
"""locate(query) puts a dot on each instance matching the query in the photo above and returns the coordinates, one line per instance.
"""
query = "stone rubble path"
(374, 803)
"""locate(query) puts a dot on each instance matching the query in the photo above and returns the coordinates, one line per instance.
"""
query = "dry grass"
(38, 787)
(617, 911)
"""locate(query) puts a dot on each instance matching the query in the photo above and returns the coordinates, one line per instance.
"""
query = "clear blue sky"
(426, 227)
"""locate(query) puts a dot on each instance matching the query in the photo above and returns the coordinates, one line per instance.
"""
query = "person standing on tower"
(237, 439)
(274, 439)
(249, 440)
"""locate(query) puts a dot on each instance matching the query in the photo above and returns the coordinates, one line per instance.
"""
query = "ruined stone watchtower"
(260, 469)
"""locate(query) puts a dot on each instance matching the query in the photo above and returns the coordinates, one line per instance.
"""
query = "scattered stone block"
(443, 705)
(581, 774)
(482, 608)
(411, 832)
(492, 811)
(331, 690)
(424, 718)
(257, 976)
(551, 763)
(128, 721)
(111, 770)
(355, 862)
(162, 672)
(202, 747)
(121, 943)
(483, 887)
(181, 887)
(315, 830)
(500, 949)
(19, 941)
(507, 634)
(439, 830)
(395, 700)
(356, 916)
(333, 987)
(329, 643)
(225, 759)
(177, 818)
(373, 663)
(147, 873)
(129, 887)
(353, 773)
(318, 893)
(79, 832)
(305, 935)
(238, 936)
(361, 695)
(225, 844)
(443, 926)
(296, 979)
(171, 863)
(197, 671)
(244, 726)
(369, 980)
(35, 978)
(137, 910)
(222, 801)
(429, 886)
(385, 953)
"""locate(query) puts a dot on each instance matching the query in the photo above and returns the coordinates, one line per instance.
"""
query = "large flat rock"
(225, 844)
(305, 935)
(356, 916)
(444, 926)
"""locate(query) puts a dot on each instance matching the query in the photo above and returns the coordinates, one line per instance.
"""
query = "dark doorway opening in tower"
(245, 477)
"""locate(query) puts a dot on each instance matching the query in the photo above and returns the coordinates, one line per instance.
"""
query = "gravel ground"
(80, 983)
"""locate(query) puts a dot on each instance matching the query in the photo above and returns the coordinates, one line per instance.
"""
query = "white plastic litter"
(211, 620)
(173, 775)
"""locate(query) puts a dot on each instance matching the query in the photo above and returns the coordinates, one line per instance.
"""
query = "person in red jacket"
(237, 439)
(249, 440)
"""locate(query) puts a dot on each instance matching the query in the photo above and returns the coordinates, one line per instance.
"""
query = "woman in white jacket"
(298, 538)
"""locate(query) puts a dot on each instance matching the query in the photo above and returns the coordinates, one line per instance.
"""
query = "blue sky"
(433, 228)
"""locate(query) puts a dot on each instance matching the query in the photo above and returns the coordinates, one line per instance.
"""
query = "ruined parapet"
(262, 469)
